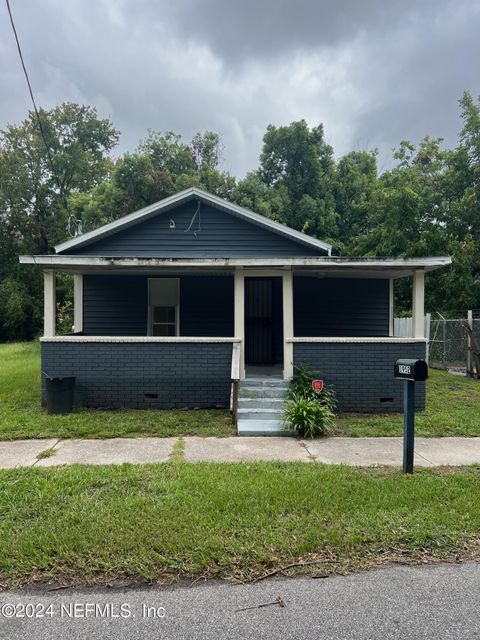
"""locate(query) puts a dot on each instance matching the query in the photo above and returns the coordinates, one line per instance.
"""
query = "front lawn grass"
(21, 415)
(452, 409)
(81, 525)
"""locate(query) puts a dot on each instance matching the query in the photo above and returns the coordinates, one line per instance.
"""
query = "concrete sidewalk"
(429, 452)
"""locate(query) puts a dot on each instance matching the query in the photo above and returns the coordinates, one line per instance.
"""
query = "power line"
(42, 131)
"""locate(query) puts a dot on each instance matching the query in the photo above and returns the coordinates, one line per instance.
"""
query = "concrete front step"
(264, 382)
(260, 406)
(259, 414)
(261, 403)
(262, 428)
(261, 392)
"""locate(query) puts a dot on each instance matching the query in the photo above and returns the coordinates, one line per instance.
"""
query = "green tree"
(355, 182)
(37, 177)
(207, 150)
(168, 153)
(405, 204)
(252, 193)
(298, 161)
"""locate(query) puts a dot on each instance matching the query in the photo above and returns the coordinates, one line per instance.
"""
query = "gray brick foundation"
(143, 375)
(362, 373)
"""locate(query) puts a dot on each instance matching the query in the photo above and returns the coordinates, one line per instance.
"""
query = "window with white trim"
(163, 306)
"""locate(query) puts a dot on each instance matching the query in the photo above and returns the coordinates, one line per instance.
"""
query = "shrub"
(301, 384)
(307, 416)
(306, 412)
(16, 311)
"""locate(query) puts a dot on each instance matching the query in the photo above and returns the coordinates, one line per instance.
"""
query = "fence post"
(444, 344)
(428, 322)
(469, 343)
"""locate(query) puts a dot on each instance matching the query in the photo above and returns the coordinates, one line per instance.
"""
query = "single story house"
(165, 299)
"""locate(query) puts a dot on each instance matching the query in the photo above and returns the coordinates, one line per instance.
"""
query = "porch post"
(239, 315)
(78, 302)
(418, 306)
(49, 303)
(287, 281)
(391, 317)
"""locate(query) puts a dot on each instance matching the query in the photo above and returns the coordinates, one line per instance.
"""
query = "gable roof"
(184, 196)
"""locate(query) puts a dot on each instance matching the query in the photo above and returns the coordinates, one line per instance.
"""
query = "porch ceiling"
(321, 266)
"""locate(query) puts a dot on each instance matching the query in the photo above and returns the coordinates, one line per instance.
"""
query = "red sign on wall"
(317, 385)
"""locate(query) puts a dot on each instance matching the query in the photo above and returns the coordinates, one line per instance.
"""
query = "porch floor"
(273, 370)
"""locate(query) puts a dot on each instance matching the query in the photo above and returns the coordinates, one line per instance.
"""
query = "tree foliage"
(428, 203)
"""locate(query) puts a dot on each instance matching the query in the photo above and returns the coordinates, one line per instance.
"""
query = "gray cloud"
(269, 28)
(374, 72)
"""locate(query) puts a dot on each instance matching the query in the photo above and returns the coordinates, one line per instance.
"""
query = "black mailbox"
(410, 369)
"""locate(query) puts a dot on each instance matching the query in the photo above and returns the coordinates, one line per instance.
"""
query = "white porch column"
(78, 302)
(49, 303)
(418, 304)
(391, 305)
(239, 315)
(287, 281)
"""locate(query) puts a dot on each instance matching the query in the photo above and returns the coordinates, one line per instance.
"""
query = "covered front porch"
(161, 333)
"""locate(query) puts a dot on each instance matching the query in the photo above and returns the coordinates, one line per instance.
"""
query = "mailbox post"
(410, 371)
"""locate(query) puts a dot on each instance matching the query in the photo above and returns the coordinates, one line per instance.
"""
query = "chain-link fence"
(449, 341)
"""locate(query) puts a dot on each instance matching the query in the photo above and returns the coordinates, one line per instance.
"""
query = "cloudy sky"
(373, 71)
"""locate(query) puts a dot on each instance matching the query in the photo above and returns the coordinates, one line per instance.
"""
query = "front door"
(259, 324)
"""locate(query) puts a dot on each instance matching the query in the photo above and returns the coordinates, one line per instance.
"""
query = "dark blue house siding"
(340, 307)
(362, 373)
(148, 375)
(117, 305)
(214, 233)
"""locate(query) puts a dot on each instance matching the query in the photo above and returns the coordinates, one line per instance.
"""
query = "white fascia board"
(357, 340)
(161, 339)
(320, 262)
(178, 198)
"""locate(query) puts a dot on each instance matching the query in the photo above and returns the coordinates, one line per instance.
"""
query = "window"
(163, 306)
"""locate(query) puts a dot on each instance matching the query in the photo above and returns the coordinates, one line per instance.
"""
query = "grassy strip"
(21, 415)
(452, 409)
(178, 451)
(156, 522)
(46, 453)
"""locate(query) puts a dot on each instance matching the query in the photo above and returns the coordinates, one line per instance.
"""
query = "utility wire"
(42, 131)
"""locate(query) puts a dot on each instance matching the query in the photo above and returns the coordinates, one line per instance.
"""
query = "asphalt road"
(426, 602)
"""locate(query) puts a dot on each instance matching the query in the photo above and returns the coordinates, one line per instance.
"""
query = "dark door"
(259, 321)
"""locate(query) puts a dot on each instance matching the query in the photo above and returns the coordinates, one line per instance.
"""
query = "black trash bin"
(60, 394)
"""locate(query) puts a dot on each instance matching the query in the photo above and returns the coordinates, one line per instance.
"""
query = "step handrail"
(235, 380)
